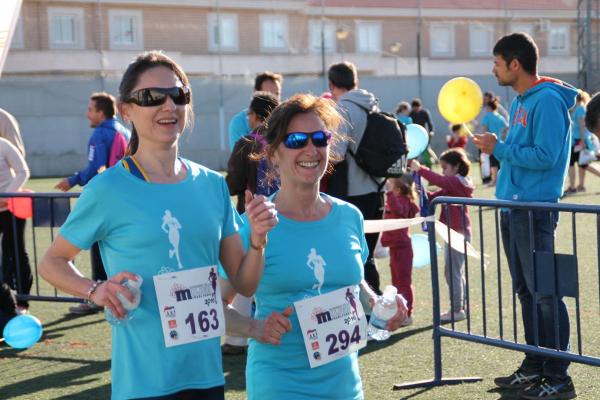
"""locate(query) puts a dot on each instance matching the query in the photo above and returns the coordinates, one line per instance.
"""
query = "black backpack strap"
(379, 185)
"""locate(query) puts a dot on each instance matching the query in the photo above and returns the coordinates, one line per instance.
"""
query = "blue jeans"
(515, 235)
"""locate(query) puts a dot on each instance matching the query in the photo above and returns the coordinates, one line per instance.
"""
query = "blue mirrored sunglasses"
(298, 140)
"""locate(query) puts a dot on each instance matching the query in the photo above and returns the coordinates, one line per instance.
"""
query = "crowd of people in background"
(282, 155)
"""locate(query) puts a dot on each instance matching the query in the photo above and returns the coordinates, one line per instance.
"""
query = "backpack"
(117, 149)
(382, 150)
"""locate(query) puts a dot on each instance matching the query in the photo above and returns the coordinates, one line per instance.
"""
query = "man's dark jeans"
(515, 237)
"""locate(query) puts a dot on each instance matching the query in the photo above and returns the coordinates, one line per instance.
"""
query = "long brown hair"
(406, 184)
(143, 63)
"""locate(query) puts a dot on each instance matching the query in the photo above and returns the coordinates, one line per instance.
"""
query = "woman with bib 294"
(169, 221)
(308, 300)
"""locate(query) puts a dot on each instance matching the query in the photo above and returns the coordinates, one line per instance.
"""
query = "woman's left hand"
(396, 321)
(262, 216)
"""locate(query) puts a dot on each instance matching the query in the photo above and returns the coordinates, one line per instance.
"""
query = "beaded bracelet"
(92, 290)
(258, 248)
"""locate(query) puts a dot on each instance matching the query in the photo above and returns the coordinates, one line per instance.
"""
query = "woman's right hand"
(106, 293)
(274, 327)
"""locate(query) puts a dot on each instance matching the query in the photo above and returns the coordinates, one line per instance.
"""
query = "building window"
(18, 40)
(480, 39)
(274, 32)
(125, 29)
(368, 37)
(226, 34)
(314, 30)
(558, 39)
(522, 27)
(441, 40)
(65, 28)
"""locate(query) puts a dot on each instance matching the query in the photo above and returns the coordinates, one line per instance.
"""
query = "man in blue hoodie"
(535, 160)
(102, 145)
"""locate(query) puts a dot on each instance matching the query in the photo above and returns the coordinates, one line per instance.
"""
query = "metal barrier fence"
(48, 212)
(563, 281)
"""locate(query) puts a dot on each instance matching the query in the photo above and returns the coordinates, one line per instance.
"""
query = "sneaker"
(545, 389)
(570, 190)
(84, 309)
(231, 350)
(458, 316)
(518, 380)
(408, 321)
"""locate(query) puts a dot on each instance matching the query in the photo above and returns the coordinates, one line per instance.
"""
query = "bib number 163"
(206, 320)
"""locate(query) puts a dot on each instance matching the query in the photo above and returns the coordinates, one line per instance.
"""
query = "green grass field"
(72, 361)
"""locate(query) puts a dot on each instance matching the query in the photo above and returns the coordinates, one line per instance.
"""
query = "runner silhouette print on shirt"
(317, 264)
(171, 226)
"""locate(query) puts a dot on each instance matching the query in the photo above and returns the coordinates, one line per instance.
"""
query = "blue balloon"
(417, 139)
(420, 246)
(23, 331)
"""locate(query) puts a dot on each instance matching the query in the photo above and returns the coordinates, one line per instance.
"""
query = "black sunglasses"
(298, 140)
(151, 97)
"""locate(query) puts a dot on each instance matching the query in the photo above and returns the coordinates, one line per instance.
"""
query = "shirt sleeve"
(231, 217)
(97, 158)
(86, 223)
(17, 163)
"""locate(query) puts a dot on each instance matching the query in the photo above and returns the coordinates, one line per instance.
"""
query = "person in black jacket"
(243, 172)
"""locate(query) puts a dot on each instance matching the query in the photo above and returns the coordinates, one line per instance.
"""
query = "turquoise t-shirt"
(149, 229)
(238, 127)
(578, 113)
(495, 123)
(405, 119)
(283, 372)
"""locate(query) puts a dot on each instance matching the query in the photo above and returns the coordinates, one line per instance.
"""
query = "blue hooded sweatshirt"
(535, 156)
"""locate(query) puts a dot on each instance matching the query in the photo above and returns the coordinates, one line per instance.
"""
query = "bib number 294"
(344, 338)
(206, 320)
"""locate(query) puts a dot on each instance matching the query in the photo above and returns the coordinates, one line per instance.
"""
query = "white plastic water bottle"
(385, 308)
(130, 306)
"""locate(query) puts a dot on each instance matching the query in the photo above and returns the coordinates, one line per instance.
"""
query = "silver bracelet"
(92, 290)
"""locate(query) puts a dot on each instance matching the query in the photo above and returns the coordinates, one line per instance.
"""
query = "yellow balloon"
(460, 100)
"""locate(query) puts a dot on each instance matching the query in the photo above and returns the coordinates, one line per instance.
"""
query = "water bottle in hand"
(385, 308)
(130, 306)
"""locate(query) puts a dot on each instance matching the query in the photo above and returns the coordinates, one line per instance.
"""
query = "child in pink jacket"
(454, 182)
(401, 202)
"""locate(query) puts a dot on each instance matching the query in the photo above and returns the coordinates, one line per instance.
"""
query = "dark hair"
(592, 114)
(493, 103)
(406, 184)
(266, 76)
(456, 127)
(263, 103)
(457, 157)
(343, 75)
(416, 103)
(489, 94)
(143, 63)
(276, 127)
(403, 105)
(106, 103)
(521, 47)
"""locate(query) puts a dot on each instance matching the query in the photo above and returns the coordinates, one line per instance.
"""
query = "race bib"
(333, 325)
(190, 305)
